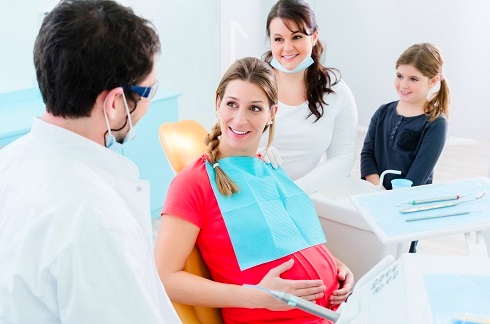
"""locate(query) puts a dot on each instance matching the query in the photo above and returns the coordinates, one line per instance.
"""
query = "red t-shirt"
(191, 197)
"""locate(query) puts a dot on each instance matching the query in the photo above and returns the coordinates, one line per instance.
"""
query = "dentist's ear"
(110, 101)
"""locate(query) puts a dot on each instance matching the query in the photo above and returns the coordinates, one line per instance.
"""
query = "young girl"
(409, 134)
(317, 117)
(251, 223)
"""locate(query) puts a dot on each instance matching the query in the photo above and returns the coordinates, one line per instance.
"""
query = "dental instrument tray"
(453, 202)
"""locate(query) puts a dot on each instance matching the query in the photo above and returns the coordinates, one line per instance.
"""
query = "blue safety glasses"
(144, 92)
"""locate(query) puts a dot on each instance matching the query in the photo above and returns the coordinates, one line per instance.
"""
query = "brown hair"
(86, 47)
(255, 71)
(428, 59)
(317, 78)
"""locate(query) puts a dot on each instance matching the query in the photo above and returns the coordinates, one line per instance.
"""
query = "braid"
(212, 142)
(224, 183)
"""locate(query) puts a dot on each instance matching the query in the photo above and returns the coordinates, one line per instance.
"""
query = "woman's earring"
(270, 122)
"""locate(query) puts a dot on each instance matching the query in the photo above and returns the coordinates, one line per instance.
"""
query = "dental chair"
(183, 142)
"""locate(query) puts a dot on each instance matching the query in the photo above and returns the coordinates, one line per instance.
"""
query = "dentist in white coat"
(75, 232)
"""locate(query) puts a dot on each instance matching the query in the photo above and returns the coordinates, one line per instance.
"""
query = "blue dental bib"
(269, 217)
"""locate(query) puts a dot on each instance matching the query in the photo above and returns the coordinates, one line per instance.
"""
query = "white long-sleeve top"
(75, 234)
(317, 153)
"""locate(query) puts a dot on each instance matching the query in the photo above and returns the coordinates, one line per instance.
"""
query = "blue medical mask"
(110, 140)
(301, 66)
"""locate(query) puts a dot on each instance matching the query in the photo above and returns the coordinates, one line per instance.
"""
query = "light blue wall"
(363, 39)
(19, 22)
(189, 32)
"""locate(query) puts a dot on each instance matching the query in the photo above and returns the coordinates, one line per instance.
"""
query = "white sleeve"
(342, 150)
(109, 277)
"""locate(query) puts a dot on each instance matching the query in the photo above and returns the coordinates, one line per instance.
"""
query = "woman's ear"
(314, 37)
(273, 111)
(218, 103)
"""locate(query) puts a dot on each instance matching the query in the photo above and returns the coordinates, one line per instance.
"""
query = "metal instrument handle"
(431, 200)
(429, 207)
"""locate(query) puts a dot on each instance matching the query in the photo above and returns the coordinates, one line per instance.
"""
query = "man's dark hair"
(87, 46)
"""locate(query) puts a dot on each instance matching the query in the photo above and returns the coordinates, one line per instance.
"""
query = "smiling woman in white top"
(317, 116)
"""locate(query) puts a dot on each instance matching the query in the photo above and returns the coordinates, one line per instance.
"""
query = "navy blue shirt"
(409, 144)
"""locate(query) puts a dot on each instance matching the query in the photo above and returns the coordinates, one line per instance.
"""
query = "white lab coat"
(75, 234)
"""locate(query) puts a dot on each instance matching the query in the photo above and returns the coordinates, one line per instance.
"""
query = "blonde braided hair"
(225, 185)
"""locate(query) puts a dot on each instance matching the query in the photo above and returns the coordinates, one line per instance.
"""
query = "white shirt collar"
(83, 149)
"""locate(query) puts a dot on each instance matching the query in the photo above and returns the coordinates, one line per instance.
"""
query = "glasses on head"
(144, 92)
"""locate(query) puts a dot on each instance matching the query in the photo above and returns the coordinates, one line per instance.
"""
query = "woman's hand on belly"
(346, 280)
(306, 289)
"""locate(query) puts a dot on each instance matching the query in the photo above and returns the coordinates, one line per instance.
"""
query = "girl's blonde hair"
(255, 71)
(428, 59)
